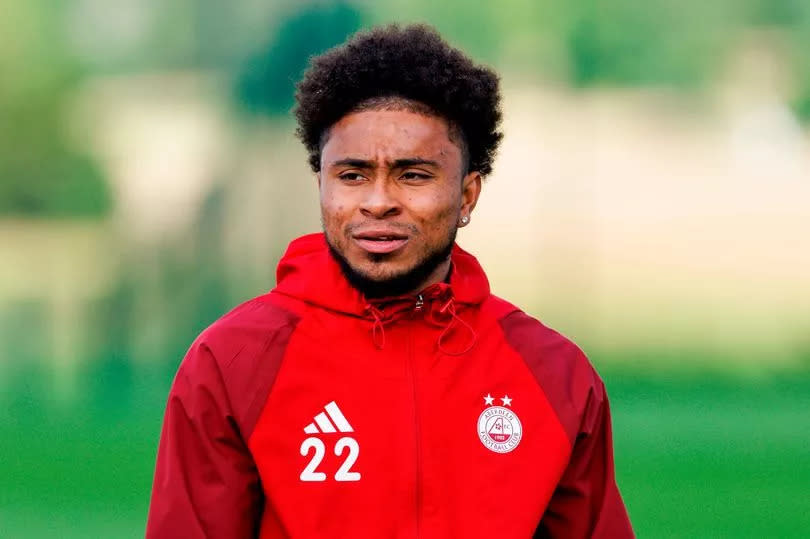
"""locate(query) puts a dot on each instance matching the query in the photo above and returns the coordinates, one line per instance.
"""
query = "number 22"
(343, 473)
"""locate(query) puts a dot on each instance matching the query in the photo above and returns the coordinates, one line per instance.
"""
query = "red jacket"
(311, 412)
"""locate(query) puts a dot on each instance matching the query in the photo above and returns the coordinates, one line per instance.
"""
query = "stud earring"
(465, 220)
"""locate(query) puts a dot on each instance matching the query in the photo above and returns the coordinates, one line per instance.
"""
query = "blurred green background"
(651, 200)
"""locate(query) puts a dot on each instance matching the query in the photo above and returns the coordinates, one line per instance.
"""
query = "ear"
(470, 191)
(318, 179)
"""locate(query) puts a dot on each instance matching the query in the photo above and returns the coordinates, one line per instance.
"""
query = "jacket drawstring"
(449, 307)
(377, 329)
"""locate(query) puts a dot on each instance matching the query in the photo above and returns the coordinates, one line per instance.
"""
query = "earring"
(465, 220)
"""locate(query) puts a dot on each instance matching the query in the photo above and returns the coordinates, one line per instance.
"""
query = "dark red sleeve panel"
(586, 502)
(206, 483)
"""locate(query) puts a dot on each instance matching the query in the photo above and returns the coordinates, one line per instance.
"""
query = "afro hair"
(405, 64)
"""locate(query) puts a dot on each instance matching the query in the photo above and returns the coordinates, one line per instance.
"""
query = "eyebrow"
(398, 163)
(414, 162)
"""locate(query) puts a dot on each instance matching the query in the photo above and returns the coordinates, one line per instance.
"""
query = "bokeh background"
(651, 200)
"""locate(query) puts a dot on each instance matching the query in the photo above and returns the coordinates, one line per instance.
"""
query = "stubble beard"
(396, 284)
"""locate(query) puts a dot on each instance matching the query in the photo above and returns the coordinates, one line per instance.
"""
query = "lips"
(380, 241)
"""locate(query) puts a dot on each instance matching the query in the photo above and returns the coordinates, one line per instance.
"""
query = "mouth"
(380, 241)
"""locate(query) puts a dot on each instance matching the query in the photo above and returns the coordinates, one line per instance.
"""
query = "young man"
(381, 390)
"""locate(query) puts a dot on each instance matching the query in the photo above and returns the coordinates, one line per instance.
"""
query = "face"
(393, 192)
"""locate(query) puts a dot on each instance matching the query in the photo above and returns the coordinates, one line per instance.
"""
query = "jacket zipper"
(417, 426)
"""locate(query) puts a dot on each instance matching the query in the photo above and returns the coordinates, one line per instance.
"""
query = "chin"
(391, 274)
(381, 271)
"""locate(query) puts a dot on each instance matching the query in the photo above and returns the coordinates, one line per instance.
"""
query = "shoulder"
(241, 336)
(542, 343)
(254, 320)
(235, 360)
(560, 368)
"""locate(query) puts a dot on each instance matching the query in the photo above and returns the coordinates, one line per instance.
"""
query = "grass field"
(697, 456)
(714, 458)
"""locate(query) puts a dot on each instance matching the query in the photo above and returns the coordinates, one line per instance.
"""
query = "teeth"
(381, 238)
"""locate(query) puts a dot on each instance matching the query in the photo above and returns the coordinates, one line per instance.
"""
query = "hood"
(308, 272)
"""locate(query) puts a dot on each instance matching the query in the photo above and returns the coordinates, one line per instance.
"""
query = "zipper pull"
(420, 301)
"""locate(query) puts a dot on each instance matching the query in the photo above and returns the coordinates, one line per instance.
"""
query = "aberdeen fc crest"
(499, 428)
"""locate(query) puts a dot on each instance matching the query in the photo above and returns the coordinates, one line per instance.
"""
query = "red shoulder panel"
(249, 344)
(558, 365)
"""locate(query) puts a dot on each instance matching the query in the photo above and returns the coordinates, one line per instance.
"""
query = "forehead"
(391, 134)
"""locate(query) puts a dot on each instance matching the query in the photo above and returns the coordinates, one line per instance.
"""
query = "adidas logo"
(322, 423)
(328, 421)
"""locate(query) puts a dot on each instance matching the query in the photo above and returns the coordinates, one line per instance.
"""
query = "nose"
(380, 200)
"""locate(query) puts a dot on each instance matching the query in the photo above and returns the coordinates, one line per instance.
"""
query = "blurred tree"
(800, 41)
(40, 175)
(657, 42)
(773, 12)
(266, 84)
(792, 17)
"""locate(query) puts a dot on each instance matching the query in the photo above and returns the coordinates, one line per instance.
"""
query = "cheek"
(335, 215)
(332, 215)
(331, 206)
(436, 211)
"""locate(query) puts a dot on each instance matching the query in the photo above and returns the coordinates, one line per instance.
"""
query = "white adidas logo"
(322, 424)
(326, 426)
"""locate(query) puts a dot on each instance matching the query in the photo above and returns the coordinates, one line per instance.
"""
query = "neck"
(440, 274)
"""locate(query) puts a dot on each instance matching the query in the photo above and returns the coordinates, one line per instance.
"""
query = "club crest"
(499, 428)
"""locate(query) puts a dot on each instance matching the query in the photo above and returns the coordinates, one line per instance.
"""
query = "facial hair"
(396, 285)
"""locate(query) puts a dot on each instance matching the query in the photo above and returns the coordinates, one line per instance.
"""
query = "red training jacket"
(311, 412)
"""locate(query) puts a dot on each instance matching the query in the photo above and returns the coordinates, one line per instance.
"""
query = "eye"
(350, 177)
(413, 175)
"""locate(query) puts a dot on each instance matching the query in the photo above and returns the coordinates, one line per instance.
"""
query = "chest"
(419, 442)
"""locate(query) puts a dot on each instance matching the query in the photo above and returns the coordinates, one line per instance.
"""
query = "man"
(381, 390)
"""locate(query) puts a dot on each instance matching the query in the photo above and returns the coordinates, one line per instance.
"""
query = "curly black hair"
(410, 64)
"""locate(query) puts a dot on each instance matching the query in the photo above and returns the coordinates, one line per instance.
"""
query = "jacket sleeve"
(587, 503)
(206, 484)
